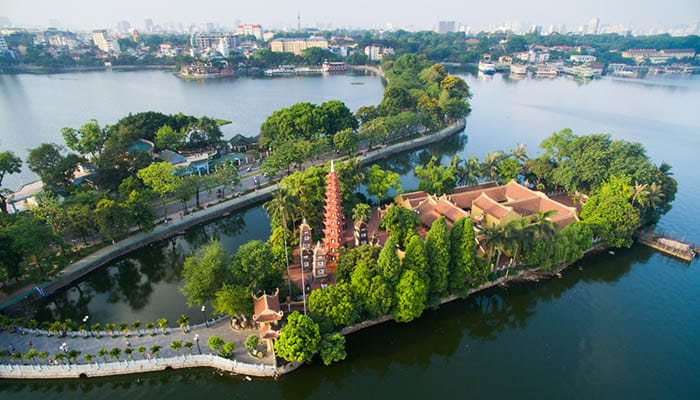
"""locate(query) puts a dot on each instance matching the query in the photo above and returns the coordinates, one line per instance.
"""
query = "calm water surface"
(615, 326)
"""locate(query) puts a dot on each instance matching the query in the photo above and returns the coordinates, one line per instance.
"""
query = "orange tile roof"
(490, 206)
(267, 308)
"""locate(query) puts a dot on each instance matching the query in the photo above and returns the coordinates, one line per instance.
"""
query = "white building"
(377, 52)
(582, 58)
(250, 30)
(104, 42)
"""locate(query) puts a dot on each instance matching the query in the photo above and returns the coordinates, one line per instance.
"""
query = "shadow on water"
(132, 280)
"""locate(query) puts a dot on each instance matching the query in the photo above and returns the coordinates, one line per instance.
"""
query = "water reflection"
(145, 284)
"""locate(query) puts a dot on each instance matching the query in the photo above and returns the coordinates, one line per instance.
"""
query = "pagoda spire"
(333, 216)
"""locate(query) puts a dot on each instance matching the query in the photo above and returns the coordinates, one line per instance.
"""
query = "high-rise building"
(104, 42)
(447, 26)
(250, 30)
(148, 24)
(123, 26)
(593, 26)
(203, 40)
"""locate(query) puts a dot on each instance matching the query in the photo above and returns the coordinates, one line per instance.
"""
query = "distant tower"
(333, 216)
(298, 22)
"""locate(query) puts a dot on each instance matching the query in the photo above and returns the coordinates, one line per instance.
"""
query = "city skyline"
(314, 13)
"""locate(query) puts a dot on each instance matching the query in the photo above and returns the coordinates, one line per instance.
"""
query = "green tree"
(9, 164)
(155, 349)
(103, 353)
(299, 338)
(435, 178)
(388, 263)
(116, 352)
(415, 258)
(349, 258)
(338, 117)
(380, 181)
(610, 213)
(227, 350)
(346, 141)
(204, 273)
(251, 342)
(437, 248)
(462, 256)
(332, 349)
(112, 218)
(232, 300)
(333, 306)
(54, 169)
(254, 266)
(169, 138)
(160, 177)
(176, 346)
(411, 295)
(361, 212)
(89, 139)
(215, 343)
(226, 174)
(400, 222)
(508, 169)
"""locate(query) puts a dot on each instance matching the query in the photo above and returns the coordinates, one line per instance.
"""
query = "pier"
(668, 245)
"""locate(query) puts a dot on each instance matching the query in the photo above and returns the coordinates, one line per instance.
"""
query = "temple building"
(305, 246)
(266, 313)
(333, 216)
(320, 262)
(487, 204)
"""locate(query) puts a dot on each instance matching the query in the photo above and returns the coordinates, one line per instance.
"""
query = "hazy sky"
(365, 13)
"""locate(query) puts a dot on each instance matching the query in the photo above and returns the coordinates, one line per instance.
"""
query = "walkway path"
(88, 344)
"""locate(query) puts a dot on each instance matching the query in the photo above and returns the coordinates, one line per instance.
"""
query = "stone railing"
(115, 332)
(124, 367)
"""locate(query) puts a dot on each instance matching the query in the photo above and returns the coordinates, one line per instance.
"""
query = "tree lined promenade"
(75, 353)
(214, 210)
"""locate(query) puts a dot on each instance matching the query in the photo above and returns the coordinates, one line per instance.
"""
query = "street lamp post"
(196, 340)
(85, 319)
(204, 309)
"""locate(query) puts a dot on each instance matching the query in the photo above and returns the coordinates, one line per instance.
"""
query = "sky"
(425, 14)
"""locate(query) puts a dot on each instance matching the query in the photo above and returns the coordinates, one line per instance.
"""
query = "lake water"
(624, 325)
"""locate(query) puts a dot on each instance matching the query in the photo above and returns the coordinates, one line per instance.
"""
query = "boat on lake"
(546, 70)
(205, 70)
(518, 69)
(487, 67)
(333, 66)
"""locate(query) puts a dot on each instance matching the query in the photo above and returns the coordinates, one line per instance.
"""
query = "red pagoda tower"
(333, 216)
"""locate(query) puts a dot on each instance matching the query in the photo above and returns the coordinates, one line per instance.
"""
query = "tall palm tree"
(283, 204)
(489, 168)
(656, 196)
(494, 241)
(518, 235)
(542, 224)
(520, 153)
(641, 194)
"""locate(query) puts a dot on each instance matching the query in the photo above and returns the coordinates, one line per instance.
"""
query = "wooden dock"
(670, 246)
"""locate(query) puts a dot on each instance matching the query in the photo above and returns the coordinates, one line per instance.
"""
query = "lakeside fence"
(116, 333)
(125, 367)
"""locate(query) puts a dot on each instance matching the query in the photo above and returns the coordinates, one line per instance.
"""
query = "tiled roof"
(267, 308)
(491, 207)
